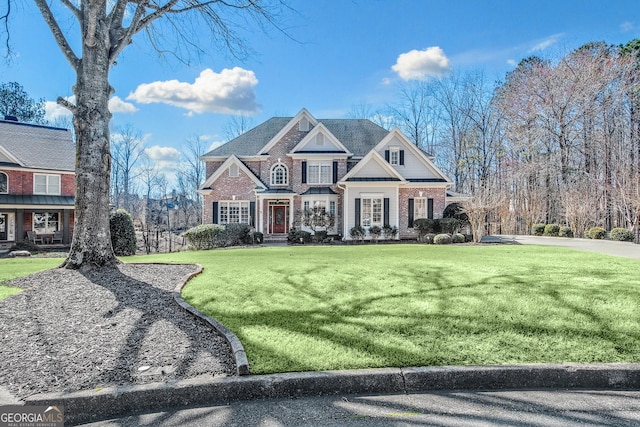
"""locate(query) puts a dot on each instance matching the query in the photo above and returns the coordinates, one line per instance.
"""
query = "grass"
(343, 307)
(11, 268)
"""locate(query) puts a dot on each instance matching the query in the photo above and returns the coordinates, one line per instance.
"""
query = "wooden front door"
(279, 219)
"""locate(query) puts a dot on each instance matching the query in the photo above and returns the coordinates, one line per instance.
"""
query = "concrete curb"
(240, 356)
(87, 406)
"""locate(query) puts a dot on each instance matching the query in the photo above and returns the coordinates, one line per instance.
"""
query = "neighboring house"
(37, 182)
(353, 169)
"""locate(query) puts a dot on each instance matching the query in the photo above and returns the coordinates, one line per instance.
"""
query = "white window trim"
(6, 176)
(226, 203)
(326, 199)
(320, 165)
(415, 207)
(47, 177)
(286, 174)
(371, 196)
(394, 152)
(46, 222)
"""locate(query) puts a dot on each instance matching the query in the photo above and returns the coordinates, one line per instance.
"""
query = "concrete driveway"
(623, 249)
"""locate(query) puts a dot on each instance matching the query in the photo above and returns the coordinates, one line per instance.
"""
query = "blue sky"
(344, 52)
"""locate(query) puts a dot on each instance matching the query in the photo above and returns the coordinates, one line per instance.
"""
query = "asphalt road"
(459, 408)
(609, 247)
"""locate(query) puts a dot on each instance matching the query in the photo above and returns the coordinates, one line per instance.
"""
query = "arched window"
(279, 174)
(4, 183)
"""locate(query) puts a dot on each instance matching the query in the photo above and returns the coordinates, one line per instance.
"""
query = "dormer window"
(279, 174)
(394, 156)
(4, 183)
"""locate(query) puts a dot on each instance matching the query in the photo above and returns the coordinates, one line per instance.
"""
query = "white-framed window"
(394, 156)
(317, 207)
(233, 212)
(4, 183)
(371, 211)
(420, 208)
(319, 173)
(46, 222)
(46, 184)
(233, 170)
(279, 174)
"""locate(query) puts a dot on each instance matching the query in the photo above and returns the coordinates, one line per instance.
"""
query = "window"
(4, 183)
(423, 208)
(46, 184)
(233, 170)
(319, 173)
(371, 212)
(45, 222)
(234, 212)
(279, 174)
(394, 157)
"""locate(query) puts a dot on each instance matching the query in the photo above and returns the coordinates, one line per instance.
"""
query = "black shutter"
(215, 212)
(304, 172)
(335, 172)
(410, 213)
(402, 157)
(430, 208)
(385, 212)
(252, 213)
(357, 212)
(386, 155)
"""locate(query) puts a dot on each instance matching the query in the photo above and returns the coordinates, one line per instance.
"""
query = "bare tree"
(126, 151)
(484, 202)
(237, 125)
(191, 174)
(105, 29)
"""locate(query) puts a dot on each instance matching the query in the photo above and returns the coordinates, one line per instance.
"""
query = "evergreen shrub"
(552, 230)
(442, 239)
(123, 234)
(621, 234)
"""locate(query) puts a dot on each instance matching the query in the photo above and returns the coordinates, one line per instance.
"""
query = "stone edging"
(242, 363)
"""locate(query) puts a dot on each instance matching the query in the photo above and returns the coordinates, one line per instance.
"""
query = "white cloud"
(214, 145)
(55, 111)
(228, 92)
(544, 44)
(420, 64)
(625, 27)
(163, 154)
(512, 62)
(117, 105)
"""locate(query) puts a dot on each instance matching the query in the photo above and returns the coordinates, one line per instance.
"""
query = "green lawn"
(339, 307)
(11, 268)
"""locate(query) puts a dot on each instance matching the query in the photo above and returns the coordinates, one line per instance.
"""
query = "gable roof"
(320, 129)
(385, 170)
(359, 136)
(225, 166)
(37, 147)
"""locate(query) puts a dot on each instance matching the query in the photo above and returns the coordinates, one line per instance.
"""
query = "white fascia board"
(318, 156)
(10, 156)
(375, 157)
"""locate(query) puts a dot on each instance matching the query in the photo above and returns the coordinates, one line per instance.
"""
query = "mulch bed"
(69, 331)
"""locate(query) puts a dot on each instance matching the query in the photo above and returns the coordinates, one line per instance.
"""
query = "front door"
(3, 227)
(279, 219)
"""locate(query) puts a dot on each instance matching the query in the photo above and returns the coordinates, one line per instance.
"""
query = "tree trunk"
(91, 246)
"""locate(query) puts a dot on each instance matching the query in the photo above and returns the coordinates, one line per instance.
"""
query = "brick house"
(360, 173)
(37, 183)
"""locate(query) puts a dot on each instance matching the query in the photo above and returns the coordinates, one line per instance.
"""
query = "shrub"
(295, 236)
(357, 232)
(258, 237)
(565, 232)
(375, 232)
(468, 238)
(597, 233)
(234, 235)
(449, 225)
(537, 229)
(621, 234)
(551, 230)
(442, 239)
(424, 226)
(428, 238)
(321, 236)
(204, 236)
(458, 238)
(123, 235)
(389, 232)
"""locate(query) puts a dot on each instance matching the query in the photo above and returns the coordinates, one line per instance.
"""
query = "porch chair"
(33, 237)
(57, 237)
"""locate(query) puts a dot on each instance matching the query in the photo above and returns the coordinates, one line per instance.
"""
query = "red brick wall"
(21, 182)
(242, 187)
(437, 194)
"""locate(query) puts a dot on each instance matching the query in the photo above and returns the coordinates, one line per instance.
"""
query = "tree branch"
(57, 34)
(66, 104)
(72, 8)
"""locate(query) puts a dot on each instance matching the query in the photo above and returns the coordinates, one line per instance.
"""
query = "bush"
(621, 234)
(428, 238)
(357, 232)
(375, 232)
(468, 238)
(537, 229)
(449, 225)
(458, 238)
(551, 230)
(598, 233)
(234, 235)
(258, 237)
(389, 232)
(442, 239)
(123, 235)
(25, 245)
(565, 232)
(424, 226)
(295, 236)
(320, 236)
(204, 236)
